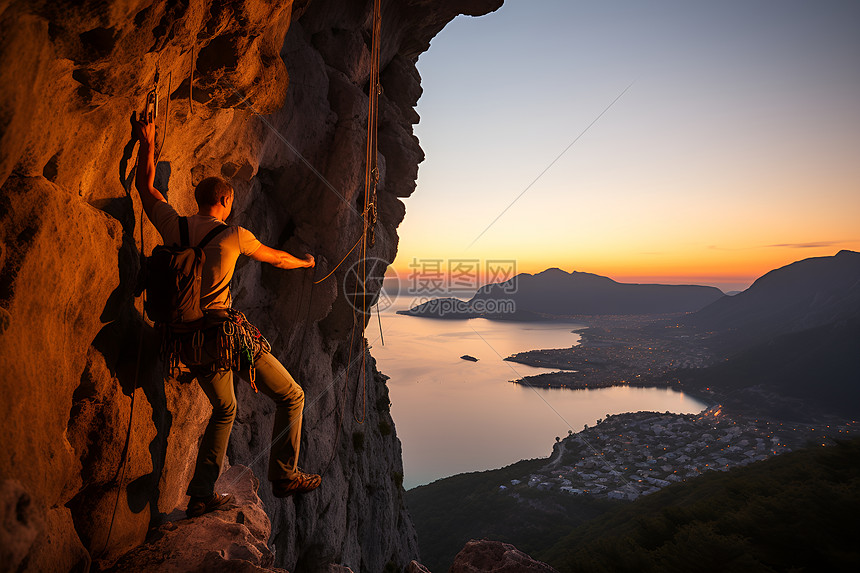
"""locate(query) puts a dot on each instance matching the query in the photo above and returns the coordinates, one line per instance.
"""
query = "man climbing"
(214, 198)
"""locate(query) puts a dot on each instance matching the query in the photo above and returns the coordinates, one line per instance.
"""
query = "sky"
(734, 150)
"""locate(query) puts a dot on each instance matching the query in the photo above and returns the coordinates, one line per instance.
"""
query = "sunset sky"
(735, 151)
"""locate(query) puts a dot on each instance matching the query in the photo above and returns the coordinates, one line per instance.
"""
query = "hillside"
(535, 503)
(795, 512)
(799, 376)
(449, 512)
(803, 295)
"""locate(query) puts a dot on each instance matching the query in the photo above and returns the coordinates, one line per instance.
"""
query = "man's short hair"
(210, 191)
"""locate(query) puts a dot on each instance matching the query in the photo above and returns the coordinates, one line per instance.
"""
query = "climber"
(214, 198)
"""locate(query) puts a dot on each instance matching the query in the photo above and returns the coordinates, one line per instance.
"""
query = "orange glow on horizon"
(735, 269)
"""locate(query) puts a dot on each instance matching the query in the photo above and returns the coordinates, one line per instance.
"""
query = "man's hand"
(142, 130)
(281, 259)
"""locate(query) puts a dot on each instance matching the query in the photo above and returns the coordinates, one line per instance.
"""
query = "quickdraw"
(249, 342)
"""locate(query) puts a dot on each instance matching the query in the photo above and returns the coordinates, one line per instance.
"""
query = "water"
(455, 416)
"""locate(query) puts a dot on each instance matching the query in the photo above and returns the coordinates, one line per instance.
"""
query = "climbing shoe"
(302, 483)
(200, 505)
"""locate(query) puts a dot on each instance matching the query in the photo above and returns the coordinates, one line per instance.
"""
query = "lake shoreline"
(486, 422)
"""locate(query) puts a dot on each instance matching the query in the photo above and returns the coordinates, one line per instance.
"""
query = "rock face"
(234, 539)
(495, 557)
(99, 446)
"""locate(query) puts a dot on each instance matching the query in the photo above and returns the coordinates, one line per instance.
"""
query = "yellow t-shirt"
(221, 253)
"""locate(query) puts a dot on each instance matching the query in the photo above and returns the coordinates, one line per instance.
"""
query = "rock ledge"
(486, 556)
(233, 540)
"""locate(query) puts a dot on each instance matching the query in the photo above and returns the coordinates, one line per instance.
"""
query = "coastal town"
(629, 455)
(629, 350)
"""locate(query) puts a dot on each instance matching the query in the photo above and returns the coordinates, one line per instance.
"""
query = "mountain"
(803, 295)
(556, 292)
(801, 376)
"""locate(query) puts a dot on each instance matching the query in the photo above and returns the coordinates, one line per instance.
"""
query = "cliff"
(79, 365)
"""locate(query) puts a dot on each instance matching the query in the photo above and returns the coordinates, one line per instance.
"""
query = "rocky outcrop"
(495, 557)
(59, 264)
(99, 445)
(233, 539)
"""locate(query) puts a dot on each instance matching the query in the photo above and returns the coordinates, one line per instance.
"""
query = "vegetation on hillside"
(795, 377)
(795, 512)
(449, 512)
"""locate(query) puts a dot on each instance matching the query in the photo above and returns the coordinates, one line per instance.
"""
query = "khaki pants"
(274, 381)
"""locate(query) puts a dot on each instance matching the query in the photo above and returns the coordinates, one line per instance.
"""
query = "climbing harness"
(222, 341)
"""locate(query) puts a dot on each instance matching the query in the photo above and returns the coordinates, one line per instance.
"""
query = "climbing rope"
(371, 181)
(341, 261)
(166, 117)
(379, 319)
(343, 400)
(191, 85)
(369, 215)
(124, 461)
(126, 183)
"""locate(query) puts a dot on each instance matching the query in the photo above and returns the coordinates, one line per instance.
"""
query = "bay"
(454, 416)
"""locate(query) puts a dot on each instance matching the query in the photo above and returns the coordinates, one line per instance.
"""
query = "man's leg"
(218, 387)
(274, 381)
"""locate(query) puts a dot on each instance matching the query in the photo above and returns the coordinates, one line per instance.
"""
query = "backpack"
(172, 279)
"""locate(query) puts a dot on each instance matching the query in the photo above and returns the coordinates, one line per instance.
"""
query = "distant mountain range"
(555, 292)
(789, 344)
(803, 295)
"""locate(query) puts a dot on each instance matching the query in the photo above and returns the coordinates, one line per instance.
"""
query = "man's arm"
(144, 178)
(281, 259)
